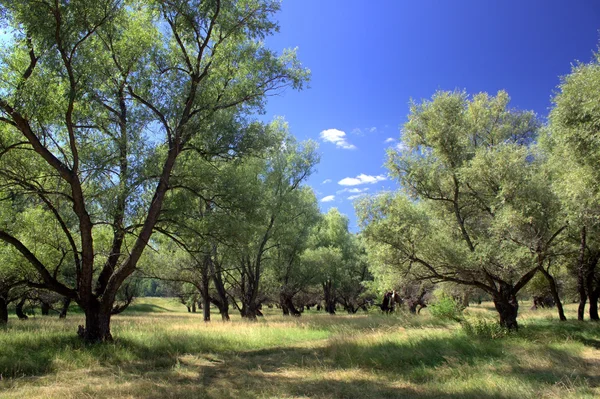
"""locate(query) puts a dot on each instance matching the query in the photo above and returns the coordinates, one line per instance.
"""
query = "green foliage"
(446, 307)
(483, 328)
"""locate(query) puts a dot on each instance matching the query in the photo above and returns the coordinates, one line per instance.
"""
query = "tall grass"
(161, 351)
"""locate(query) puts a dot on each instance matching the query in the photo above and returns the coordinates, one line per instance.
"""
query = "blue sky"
(369, 58)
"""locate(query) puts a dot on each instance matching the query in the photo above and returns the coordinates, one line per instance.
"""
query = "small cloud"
(329, 198)
(338, 138)
(389, 140)
(353, 190)
(361, 179)
(401, 146)
(327, 181)
(357, 131)
(353, 197)
(373, 129)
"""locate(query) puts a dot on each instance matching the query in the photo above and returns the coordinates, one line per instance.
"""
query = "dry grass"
(163, 352)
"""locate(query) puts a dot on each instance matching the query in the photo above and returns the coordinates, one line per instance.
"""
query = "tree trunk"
(45, 308)
(193, 306)
(581, 276)
(97, 325)
(217, 276)
(3, 311)
(288, 304)
(224, 311)
(19, 309)
(206, 307)
(593, 291)
(65, 308)
(204, 289)
(508, 307)
(249, 311)
(329, 297)
(555, 294)
(466, 298)
(594, 295)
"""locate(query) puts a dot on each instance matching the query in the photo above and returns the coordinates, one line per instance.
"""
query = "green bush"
(446, 307)
(484, 328)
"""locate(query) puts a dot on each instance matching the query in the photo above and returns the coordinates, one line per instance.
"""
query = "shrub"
(484, 328)
(446, 307)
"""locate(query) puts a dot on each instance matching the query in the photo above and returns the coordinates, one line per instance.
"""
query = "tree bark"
(594, 295)
(287, 304)
(581, 276)
(65, 308)
(204, 289)
(554, 292)
(328, 293)
(97, 326)
(19, 309)
(45, 308)
(193, 306)
(3, 311)
(508, 307)
(593, 290)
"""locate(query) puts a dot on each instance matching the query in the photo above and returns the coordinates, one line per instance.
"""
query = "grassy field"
(161, 351)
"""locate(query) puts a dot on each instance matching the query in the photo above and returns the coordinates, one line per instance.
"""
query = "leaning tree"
(100, 98)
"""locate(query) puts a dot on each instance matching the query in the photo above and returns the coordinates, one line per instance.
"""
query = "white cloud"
(329, 198)
(353, 197)
(401, 146)
(353, 190)
(326, 181)
(389, 140)
(373, 129)
(361, 179)
(338, 138)
(357, 131)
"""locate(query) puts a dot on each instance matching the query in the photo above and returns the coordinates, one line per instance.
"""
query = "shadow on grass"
(548, 331)
(343, 366)
(145, 308)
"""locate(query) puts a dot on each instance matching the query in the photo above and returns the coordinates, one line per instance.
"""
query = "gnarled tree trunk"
(97, 327)
(3, 311)
(508, 308)
(19, 309)
(287, 305)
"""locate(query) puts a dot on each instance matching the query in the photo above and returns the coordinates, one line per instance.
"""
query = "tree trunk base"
(97, 327)
(3, 312)
(508, 309)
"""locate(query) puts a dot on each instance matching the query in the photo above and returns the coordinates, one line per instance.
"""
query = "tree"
(277, 200)
(339, 261)
(462, 181)
(102, 97)
(573, 149)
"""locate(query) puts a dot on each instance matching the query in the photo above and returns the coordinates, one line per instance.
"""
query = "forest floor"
(161, 351)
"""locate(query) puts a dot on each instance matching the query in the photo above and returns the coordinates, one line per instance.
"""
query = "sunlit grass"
(162, 351)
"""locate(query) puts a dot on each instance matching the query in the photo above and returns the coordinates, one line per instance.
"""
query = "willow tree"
(472, 210)
(573, 148)
(104, 96)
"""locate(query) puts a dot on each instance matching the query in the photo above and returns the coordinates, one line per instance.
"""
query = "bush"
(446, 307)
(484, 328)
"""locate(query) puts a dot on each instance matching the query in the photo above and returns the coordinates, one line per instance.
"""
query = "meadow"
(162, 351)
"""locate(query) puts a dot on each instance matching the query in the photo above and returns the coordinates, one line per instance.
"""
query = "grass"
(161, 351)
